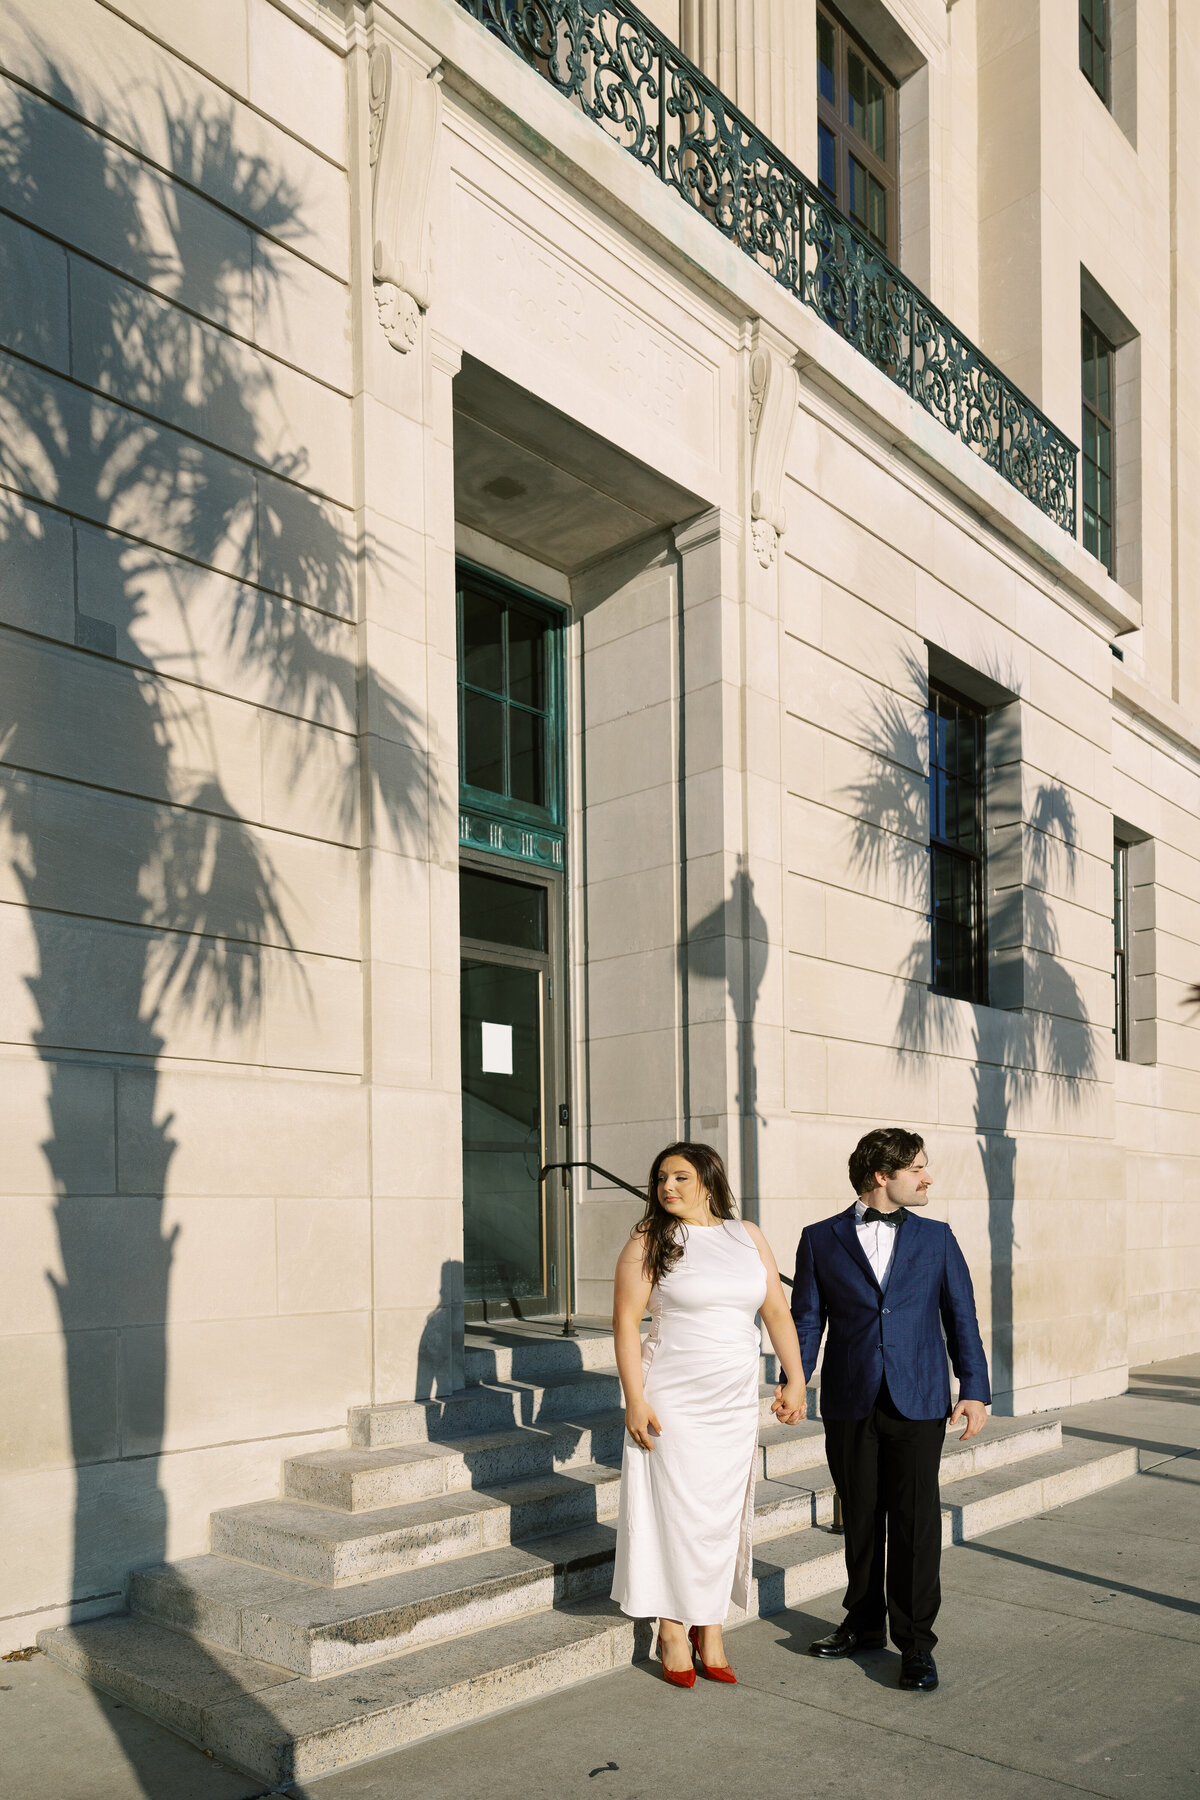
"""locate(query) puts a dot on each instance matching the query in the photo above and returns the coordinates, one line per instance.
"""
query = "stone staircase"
(455, 1558)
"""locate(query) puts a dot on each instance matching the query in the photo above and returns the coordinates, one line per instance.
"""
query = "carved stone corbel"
(406, 110)
(773, 390)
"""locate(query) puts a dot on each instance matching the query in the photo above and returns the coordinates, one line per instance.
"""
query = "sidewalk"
(1069, 1657)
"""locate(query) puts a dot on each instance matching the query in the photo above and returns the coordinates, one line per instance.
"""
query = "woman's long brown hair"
(662, 1249)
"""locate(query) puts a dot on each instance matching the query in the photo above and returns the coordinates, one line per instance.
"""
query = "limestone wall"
(1156, 791)
(186, 1229)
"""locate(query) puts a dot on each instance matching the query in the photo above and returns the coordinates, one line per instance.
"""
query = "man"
(887, 1283)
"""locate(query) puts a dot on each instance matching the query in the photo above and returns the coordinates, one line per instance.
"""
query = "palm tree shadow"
(1034, 1045)
(157, 913)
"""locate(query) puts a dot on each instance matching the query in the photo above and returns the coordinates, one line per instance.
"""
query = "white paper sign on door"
(497, 1049)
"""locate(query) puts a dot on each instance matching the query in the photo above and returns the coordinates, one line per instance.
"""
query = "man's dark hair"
(888, 1149)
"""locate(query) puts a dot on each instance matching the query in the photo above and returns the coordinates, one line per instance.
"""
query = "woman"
(686, 1520)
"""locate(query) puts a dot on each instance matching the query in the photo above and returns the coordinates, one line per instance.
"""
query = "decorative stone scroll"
(406, 110)
(771, 412)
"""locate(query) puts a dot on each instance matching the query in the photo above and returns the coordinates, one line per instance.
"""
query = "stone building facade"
(474, 603)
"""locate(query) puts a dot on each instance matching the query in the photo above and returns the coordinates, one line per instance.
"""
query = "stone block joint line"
(611, 61)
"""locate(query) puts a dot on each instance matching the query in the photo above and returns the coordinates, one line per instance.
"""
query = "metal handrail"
(638, 1193)
(612, 62)
(568, 1329)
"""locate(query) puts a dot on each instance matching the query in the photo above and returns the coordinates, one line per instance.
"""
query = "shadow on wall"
(433, 1350)
(159, 843)
(1010, 1053)
(729, 945)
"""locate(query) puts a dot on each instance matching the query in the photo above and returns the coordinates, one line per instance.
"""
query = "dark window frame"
(1095, 47)
(514, 599)
(962, 864)
(833, 114)
(1121, 986)
(1099, 438)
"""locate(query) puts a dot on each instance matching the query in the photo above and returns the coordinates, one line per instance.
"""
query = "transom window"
(1093, 44)
(956, 846)
(1097, 382)
(507, 701)
(856, 131)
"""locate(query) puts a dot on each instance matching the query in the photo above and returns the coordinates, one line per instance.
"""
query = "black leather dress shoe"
(846, 1640)
(918, 1670)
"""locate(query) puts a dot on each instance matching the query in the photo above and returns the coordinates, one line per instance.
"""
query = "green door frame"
(503, 836)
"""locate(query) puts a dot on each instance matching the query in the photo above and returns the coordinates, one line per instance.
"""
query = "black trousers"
(885, 1470)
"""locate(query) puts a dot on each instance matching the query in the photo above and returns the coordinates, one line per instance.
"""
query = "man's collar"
(860, 1207)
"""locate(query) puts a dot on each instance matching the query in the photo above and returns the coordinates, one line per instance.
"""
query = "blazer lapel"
(846, 1233)
(907, 1242)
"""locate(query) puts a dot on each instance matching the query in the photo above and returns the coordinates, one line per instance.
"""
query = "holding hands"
(790, 1404)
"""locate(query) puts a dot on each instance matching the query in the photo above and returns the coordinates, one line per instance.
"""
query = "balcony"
(617, 67)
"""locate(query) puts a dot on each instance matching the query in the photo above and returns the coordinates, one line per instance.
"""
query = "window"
(856, 132)
(1121, 948)
(1093, 44)
(1097, 382)
(956, 840)
(507, 662)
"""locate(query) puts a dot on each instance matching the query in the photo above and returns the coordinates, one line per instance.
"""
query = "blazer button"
(886, 1310)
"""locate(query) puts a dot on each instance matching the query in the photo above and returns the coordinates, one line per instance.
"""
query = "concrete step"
(359, 1480)
(1002, 1494)
(497, 1406)
(280, 1724)
(318, 1631)
(336, 1547)
(487, 1407)
(532, 1353)
(281, 1727)
(536, 1354)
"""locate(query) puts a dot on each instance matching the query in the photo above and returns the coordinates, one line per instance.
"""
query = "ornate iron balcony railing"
(622, 72)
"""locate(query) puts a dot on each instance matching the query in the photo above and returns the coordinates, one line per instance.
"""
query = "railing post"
(568, 1329)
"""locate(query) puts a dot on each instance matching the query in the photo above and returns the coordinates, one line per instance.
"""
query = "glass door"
(508, 1091)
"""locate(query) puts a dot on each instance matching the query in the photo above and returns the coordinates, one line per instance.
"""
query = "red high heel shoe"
(677, 1677)
(722, 1672)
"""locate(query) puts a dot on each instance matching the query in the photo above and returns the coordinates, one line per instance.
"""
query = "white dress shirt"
(877, 1240)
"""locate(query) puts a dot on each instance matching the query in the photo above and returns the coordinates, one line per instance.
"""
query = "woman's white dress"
(685, 1528)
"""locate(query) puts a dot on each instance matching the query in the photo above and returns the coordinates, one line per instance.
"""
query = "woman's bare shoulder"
(758, 1239)
(634, 1251)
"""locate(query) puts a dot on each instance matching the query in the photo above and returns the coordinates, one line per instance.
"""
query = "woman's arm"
(631, 1291)
(790, 1404)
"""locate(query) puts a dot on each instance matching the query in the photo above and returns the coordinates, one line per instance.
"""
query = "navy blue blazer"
(896, 1329)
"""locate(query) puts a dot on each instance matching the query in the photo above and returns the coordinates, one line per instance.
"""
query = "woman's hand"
(790, 1404)
(640, 1421)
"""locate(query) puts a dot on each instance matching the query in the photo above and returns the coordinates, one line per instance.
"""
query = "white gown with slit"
(685, 1528)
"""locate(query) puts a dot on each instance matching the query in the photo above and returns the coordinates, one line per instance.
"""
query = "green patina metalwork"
(608, 59)
(510, 720)
(503, 837)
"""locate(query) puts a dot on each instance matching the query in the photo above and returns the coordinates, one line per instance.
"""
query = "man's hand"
(975, 1413)
(790, 1404)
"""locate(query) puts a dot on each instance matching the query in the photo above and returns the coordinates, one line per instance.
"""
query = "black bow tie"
(871, 1217)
